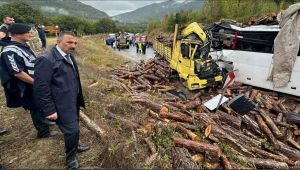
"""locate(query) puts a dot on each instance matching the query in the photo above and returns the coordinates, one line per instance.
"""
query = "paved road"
(132, 55)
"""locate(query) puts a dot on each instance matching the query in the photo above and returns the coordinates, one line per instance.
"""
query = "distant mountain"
(64, 7)
(158, 10)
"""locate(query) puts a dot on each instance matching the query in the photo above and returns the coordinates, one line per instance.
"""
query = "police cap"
(19, 28)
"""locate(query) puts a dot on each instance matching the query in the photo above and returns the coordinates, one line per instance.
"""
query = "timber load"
(262, 138)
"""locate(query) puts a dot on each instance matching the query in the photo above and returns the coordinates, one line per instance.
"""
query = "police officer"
(57, 91)
(4, 35)
(16, 72)
(7, 21)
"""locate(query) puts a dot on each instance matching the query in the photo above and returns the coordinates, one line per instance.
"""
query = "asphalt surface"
(137, 57)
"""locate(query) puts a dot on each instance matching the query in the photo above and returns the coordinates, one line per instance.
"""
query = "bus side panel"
(254, 68)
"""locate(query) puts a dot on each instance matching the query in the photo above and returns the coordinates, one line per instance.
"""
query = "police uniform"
(17, 57)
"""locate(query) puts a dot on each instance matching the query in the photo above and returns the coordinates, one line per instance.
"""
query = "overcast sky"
(115, 7)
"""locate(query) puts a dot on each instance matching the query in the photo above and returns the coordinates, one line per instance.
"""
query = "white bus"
(250, 51)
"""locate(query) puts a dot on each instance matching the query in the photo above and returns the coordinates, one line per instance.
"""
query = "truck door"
(184, 62)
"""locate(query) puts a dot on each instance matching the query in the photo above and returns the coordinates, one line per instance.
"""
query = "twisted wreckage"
(268, 136)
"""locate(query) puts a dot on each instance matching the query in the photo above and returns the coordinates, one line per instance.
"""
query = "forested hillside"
(240, 10)
(63, 7)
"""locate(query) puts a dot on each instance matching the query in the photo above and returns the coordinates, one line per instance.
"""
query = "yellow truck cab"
(189, 58)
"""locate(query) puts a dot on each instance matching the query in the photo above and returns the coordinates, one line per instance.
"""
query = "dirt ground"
(121, 148)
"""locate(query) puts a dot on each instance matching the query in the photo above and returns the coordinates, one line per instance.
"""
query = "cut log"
(208, 130)
(251, 124)
(192, 105)
(279, 117)
(204, 119)
(226, 162)
(156, 116)
(151, 159)
(267, 163)
(272, 156)
(291, 141)
(291, 153)
(128, 123)
(229, 119)
(151, 77)
(267, 132)
(195, 96)
(253, 94)
(91, 125)
(227, 109)
(93, 85)
(149, 104)
(189, 133)
(198, 146)
(182, 159)
(198, 157)
(188, 126)
(177, 116)
(271, 124)
(151, 145)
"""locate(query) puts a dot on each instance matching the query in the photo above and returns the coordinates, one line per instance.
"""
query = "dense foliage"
(214, 10)
(25, 13)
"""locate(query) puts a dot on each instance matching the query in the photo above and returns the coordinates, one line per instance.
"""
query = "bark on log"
(91, 125)
(177, 116)
(156, 116)
(251, 124)
(229, 119)
(197, 146)
(267, 131)
(151, 159)
(267, 163)
(288, 151)
(182, 159)
(271, 124)
(192, 105)
(151, 77)
(272, 156)
(291, 141)
(205, 120)
(150, 144)
(190, 134)
(149, 104)
(226, 162)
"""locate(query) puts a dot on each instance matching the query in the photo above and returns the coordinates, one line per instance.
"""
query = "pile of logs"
(266, 19)
(263, 138)
(144, 76)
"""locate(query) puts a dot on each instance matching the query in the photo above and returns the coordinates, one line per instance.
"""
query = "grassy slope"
(23, 150)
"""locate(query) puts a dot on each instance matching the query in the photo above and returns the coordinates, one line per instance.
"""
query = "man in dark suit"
(58, 93)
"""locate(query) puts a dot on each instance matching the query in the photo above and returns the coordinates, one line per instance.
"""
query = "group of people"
(48, 86)
(38, 41)
(141, 47)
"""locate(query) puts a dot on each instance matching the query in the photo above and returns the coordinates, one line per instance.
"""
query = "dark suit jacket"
(57, 87)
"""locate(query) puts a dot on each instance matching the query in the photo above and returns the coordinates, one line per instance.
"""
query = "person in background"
(35, 42)
(4, 34)
(7, 21)
(42, 35)
(58, 92)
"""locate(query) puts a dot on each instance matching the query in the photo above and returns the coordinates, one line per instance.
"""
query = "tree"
(105, 25)
(22, 13)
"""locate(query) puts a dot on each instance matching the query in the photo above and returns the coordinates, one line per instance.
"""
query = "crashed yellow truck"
(202, 57)
(189, 59)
